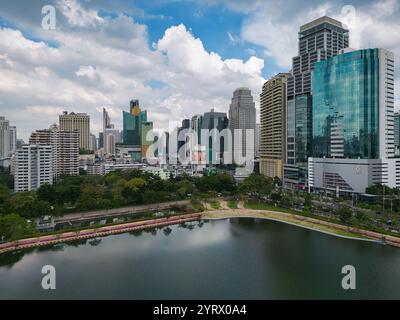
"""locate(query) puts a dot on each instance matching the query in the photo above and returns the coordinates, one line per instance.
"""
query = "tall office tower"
(196, 125)
(77, 122)
(13, 139)
(183, 140)
(219, 121)
(33, 167)
(4, 138)
(101, 140)
(273, 126)
(353, 131)
(318, 40)
(93, 142)
(65, 149)
(242, 116)
(135, 128)
(110, 135)
(132, 124)
(396, 122)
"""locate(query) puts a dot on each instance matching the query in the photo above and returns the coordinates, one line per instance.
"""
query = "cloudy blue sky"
(179, 57)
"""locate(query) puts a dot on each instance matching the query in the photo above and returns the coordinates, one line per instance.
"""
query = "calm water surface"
(229, 259)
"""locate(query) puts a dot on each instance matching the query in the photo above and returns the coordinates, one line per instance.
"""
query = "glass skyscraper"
(132, 124)
(346, 106)
(353, 123)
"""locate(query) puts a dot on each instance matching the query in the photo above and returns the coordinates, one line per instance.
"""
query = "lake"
(226, 259)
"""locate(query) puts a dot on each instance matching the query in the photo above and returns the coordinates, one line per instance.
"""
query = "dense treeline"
(117, 189)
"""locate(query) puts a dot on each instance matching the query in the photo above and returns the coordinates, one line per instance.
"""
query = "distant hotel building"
(273, 126)
(318, 40)
(79, 122)
(33, 167)
(353, 130)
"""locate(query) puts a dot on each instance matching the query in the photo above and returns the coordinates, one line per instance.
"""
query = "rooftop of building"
(322, 20)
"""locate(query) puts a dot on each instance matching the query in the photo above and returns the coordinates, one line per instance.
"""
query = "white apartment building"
(33, 167)
(65, 149)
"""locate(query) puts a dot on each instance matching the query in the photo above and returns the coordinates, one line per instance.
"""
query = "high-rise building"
(13, 139)
(147, 137)
(242, 117)
(93, 142)
(353, 131)
(219, 121)
(273, 126)
(79, 122)
(136, 131)
(101, 140)
(33, 167)
(396, 122)
(132, 124)
(318, 40)
(4, 138)
(110, 135)
(65, 149)
(196, 125)
(183, 140)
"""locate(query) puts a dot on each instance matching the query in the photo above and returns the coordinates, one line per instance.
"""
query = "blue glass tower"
(346, 106)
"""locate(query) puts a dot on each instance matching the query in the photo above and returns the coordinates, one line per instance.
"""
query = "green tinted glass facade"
(345, 106)
(132, 129)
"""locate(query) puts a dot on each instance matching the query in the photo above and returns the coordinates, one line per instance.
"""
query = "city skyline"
(154, 40)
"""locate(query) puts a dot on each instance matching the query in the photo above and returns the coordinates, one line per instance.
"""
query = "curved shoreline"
(334, 229)
(329, 228)
(298, 225)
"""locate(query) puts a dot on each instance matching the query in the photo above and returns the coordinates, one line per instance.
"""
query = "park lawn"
(269, 207)
(215, 205)
(232, 204)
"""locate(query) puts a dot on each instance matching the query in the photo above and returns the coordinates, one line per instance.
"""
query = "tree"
(5, 199)
(218, 183)
(360, 216)
(133, 190)
(6, 178)
(345, 215)
(257, 184)
(308, 202)
(47, 193)
(13, 227)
